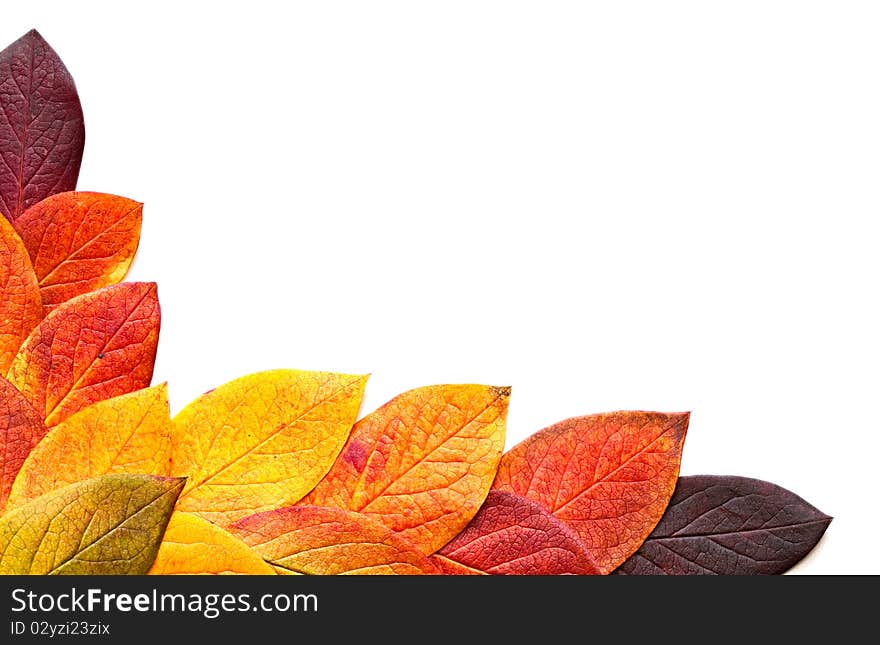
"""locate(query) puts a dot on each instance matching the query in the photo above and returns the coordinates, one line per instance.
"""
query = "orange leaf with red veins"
(20, 305)
(512, 535)
(21, 428)
(79, 242)
(608, 476)
(421, 464)
(192, 545)
(126, 434)
(93, 347)
(262, 441)
(326, 541)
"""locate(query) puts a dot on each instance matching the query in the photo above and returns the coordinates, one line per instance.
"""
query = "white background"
(611, 205)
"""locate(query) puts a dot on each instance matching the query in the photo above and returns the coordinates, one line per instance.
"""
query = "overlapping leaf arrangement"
(274, 473)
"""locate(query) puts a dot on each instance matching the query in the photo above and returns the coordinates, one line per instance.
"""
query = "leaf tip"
(176, 483)
(680, 423)
(502, 391)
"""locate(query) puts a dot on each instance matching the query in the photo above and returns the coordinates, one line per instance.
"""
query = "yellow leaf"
(261, 441)
(126, 434)
(195, 546)
(109, 525)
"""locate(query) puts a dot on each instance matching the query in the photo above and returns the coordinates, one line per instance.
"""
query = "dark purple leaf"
(41, 125)
(728, 526)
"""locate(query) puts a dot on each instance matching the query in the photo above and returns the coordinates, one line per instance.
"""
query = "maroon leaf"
(729, 526)
(41, 125)
(512, 535)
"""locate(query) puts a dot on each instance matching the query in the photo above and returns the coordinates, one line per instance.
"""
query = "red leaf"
(93, 347)
(41, 125)
(512, 535)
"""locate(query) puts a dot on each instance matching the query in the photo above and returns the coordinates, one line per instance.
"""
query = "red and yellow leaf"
(41, 125)
(192, 545)
(20, 305)
(126, 434)
(262, 441)
(325, 541)
(512, 535)
(93, 347)
(79, 242)
(608, 476)
(421, 464)
(21, 428)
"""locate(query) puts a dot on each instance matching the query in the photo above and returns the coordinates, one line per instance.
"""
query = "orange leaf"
(192, 545)
(21, 427)
(326, 541)
(512, 535)
(608, 476)
(126, 434)
(79, 242)
(423, 463)
(262, 441)
(20, 305)
(93, 347)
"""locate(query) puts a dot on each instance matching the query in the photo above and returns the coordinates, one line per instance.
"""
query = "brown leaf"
(729, 526)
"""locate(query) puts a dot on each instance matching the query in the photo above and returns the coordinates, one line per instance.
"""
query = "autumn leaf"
(41, 125)
(93, 347)
(79, 242)
(608, 476)
(421, 464)
(21, 428)
(729, 526)
(108, 525)
(262, 441)
(327, 541)
(512, 535)
(126, 434)
(195, 546)
(20, 304)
